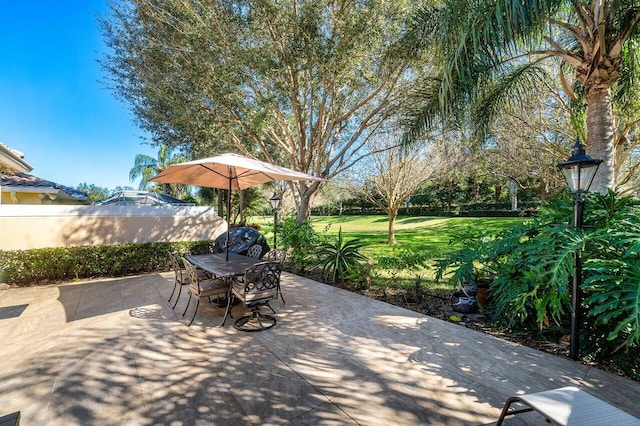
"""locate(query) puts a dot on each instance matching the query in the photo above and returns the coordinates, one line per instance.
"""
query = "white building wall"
(36, 226)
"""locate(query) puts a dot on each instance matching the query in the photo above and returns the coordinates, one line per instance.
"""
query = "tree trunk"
(600, 133)
(303, 194)
(304, 207)
(544, 190)
(391, 238)
(513, 194)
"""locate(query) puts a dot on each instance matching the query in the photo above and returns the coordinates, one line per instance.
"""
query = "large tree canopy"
(492, 51)
(298, 82)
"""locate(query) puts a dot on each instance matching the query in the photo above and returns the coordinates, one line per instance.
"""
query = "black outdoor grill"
(241, 239)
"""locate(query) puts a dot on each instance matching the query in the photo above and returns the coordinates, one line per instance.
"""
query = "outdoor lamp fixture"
(579, 171)
(275, 203)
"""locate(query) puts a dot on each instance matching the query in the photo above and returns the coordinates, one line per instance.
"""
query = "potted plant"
(483, 280)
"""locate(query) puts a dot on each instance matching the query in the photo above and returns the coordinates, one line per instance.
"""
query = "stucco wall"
(26, 227)
(21, 197)
(35, 197)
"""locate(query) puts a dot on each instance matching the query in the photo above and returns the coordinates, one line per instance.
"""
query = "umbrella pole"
(228, 216)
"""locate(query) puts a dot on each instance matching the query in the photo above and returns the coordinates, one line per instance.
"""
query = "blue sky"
(54, 103)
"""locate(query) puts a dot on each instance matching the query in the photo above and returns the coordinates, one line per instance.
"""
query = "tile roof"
(24, 180)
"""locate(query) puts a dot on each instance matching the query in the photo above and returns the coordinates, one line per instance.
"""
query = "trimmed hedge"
(416, 212)
(488, 209)
(496, 213)
(44, 265)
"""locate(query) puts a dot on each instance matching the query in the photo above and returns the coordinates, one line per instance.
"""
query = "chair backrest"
(194, 283)
(255, 251)
(175, 265)
(277, 255)
(261, 281)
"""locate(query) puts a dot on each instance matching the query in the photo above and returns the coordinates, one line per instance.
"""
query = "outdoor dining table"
(217, 265)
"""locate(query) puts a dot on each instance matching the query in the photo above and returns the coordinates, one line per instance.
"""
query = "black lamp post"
(275, 203)
(579, 171)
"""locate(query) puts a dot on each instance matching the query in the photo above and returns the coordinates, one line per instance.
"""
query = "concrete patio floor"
(114, 352)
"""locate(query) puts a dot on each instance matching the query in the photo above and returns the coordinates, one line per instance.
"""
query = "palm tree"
(146, 167)
(490, 53)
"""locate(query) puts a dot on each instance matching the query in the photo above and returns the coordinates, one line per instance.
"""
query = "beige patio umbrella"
(228, 171)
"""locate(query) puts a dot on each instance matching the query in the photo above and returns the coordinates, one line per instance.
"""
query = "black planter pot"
(463, 303)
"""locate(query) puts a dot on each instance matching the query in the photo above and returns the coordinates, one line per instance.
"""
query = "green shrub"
(473, 261)
(535, 261)
(36, 266)
(612, 268)
(300, 240)
(339, 258)
(403, 258)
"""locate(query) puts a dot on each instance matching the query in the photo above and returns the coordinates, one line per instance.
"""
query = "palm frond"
(474, 42)
(625, 91)
(503, 92)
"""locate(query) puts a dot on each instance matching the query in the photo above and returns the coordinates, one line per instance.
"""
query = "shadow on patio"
(113, 352)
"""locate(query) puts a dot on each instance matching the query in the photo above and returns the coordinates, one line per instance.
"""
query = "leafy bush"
(404, 259)
(472, 262)
(35, 266)
(300, 240)
(534, 262)
(612, 268)
(339, 258)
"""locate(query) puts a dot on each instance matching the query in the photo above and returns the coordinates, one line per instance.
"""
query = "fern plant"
(339, 258)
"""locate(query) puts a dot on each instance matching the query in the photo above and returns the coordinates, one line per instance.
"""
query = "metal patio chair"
(277, 255)
(181, 277)
(255, 251)
(199, 288)
(256, 289)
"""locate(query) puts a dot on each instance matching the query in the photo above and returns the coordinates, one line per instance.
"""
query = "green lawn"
(429, 236)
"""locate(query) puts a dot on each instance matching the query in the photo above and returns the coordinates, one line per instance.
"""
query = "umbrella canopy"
(228, 171)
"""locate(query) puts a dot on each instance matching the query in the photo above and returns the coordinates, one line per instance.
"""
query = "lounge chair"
(569, 406)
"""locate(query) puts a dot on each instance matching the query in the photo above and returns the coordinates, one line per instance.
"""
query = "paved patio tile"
(113, 351)
(326, 414)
